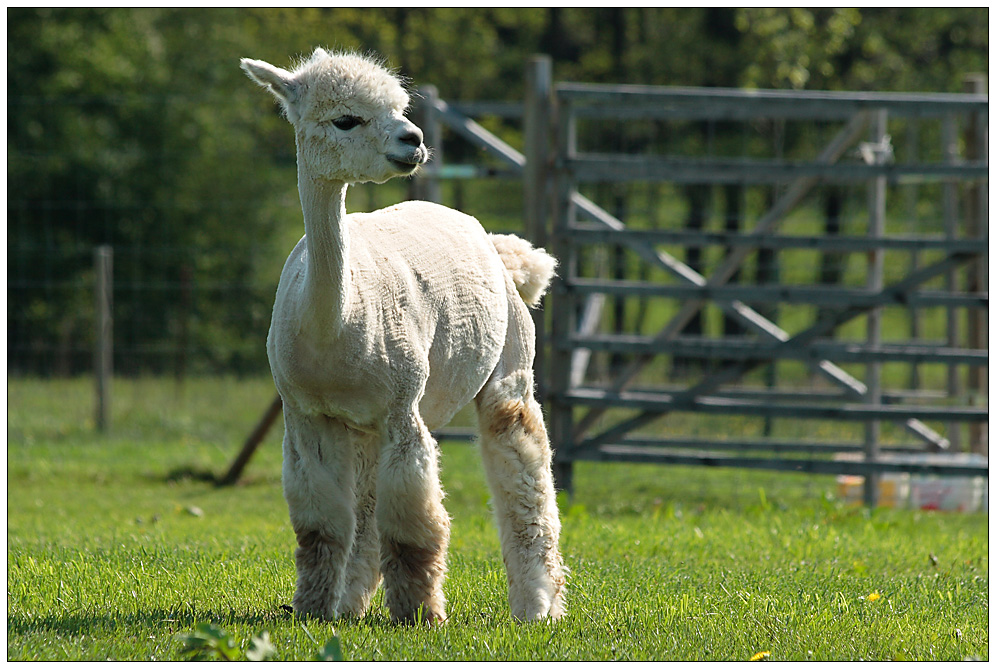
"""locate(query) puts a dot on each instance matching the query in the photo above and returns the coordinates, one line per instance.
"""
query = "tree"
(885, 49)
(136, 128)
(122, 132)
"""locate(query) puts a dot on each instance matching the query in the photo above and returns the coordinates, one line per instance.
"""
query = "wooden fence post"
(103, 354)
(252, 442)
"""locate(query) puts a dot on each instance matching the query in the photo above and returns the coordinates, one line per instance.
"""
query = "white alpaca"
(384, 326)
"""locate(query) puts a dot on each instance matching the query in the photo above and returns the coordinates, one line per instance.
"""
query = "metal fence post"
(561, 411)
(875, 281)
(103, 355)
(536, 183)
(977, 226)
(949, 204)
(426, 185)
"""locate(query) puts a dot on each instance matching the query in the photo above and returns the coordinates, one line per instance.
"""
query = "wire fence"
(199, 227)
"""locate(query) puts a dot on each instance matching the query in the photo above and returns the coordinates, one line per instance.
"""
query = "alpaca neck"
(327, 280)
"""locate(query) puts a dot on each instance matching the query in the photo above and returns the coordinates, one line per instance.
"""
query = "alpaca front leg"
(413, 526)
(318, 484)
(363, 568)
(517, 458)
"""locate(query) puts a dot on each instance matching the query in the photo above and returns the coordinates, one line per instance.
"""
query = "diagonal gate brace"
(889, 295)
(743, 313)
(796, 192)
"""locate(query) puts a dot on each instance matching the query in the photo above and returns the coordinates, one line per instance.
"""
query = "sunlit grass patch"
(114, 553)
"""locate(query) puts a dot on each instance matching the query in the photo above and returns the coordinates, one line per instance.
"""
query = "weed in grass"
(209, 642)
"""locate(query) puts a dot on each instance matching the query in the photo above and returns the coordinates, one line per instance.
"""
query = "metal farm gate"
(607, 417)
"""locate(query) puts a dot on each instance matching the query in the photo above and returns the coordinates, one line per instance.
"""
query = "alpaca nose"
(411, 136)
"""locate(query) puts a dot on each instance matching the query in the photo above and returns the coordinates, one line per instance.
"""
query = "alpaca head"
(348, 116)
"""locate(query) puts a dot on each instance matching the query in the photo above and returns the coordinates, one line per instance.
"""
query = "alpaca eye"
(347, 122)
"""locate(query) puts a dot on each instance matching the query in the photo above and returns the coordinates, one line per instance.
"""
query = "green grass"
(117, 546)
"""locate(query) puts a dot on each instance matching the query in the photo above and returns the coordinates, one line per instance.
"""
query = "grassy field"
(118, 546)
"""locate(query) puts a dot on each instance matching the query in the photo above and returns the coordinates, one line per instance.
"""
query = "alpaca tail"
(531, 268)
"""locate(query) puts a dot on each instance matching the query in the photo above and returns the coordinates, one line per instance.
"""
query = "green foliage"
(209, 642)
(331, 652)
(794, 44)
(126, 129)
(894, 49)
(136, 128)
(667, 563)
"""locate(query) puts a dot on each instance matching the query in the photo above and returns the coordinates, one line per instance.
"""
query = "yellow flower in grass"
(761, 657)
(874, 597)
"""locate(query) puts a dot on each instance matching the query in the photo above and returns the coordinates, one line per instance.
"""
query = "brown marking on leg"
(315, 558)
(410, 573)
(312, 549)
(508, 416)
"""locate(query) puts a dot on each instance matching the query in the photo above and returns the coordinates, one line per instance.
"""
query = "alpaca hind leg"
(318, 480)
(363, 568)
(413, 526)
(517, 460)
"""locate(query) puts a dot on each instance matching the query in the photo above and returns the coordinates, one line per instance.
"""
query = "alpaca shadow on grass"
(190, 473)
(173, 621)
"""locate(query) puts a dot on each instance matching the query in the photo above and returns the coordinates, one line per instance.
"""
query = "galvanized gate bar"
(687, 398)
(654, 405)
(582, 233)
(760, 445)
(615, 168)
(808, 466)
(632, 101)
(477, 135)
(735, 348)
(818, 296)
(800, 394)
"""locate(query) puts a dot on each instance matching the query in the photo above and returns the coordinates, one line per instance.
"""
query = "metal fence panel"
(901, 271)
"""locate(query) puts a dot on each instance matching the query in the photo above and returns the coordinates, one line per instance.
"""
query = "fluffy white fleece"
(531, 270)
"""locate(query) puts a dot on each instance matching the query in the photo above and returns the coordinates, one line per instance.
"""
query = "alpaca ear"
(278, 81)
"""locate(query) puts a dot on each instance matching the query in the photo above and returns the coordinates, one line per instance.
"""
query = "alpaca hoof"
(423, 615)
(313, 610)
(540, 608)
